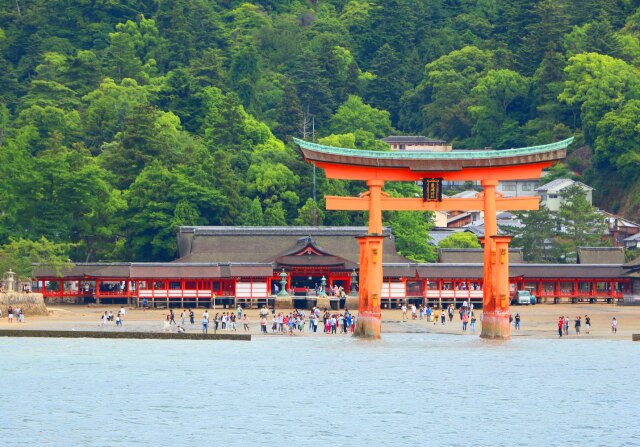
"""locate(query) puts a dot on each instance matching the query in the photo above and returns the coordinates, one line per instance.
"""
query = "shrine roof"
(423, 160)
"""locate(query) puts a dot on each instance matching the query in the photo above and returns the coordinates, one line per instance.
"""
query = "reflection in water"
(407, 389)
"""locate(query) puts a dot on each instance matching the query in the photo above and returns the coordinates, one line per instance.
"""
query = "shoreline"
(538, 321)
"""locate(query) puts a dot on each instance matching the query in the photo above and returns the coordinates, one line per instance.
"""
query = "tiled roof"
(475, 271)
(600, 255)
(266, 244)
(560, 184)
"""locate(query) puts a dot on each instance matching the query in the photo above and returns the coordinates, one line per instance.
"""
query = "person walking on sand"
(560, 325)
(517, 318)
(245, 322)
(191, 316)
(404, 311)
(473, 322)
(566, 325)
(173, 317)
(614, 326)
(577, 323)
(183, 317)
(443, 317)
(10, 314)
(465, 320)
(587, 323)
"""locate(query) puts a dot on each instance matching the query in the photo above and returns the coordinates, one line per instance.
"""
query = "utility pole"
(313, 138)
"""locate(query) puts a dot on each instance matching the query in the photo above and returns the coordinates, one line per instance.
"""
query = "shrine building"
(242, 265)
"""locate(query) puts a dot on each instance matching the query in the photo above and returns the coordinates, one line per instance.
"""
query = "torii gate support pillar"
(368, 324)
(495, 290)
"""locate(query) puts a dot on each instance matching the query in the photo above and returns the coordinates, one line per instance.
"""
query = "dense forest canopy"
(122, 120)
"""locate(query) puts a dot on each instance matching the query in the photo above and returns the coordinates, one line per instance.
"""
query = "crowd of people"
(296, 321)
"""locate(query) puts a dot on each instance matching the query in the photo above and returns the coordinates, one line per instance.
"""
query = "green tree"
(582, 225)
(386, 88)
(275, 216)
(411, 230)
(538, 230)
(500, 99)
(310, 214)
(444, 95)
(460, 240)
(20, 255)
(354, 115)
(148, 134)
(617, 147)
(595, 85)
(289, 114)
(254, 215)
(159, 202)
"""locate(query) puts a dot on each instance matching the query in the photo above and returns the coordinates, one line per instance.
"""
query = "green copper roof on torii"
(429, 155)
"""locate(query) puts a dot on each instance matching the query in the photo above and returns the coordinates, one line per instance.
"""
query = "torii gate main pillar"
(369, 316)
(495, 289)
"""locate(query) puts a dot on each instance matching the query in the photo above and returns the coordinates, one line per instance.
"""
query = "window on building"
(527, 187)
(509, 187)
(553, 196)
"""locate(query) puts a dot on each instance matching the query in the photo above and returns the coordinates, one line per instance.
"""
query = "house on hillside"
(551, 193)
(632, 242)
(459, 219)
(518, 188)
(417, 143)
(620, 231)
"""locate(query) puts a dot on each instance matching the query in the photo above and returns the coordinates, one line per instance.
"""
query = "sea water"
(408, 389)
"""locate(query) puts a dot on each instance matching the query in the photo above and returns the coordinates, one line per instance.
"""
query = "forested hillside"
(122, 120)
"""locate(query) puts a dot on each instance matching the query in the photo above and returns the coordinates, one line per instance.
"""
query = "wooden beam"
(447, 204)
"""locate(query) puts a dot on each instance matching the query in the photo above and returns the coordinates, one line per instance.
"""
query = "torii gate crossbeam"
(488, 166)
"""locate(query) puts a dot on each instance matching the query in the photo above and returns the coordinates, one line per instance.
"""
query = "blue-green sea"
(408, 389)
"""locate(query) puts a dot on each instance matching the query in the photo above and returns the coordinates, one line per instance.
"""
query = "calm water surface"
(409, 389)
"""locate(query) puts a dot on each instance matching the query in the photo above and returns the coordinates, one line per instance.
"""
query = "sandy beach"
(539, 321)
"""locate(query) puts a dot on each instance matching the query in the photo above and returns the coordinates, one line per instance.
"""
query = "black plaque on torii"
(432, 189)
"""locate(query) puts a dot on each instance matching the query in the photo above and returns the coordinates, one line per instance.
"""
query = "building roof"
(266, 244)
(473, 255)
(412, 139)
(143, 270)
(561, 184)
(633, 237)
(430, 161)
(438, 235)
(600, 255)
(475, 271)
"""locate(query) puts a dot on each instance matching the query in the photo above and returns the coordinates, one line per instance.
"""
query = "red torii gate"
(488, 166)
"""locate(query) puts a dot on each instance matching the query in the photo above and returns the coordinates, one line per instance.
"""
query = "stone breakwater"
(121, 335)
(30, 303)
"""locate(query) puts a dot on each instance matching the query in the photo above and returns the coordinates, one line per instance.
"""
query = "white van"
(525, 297)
